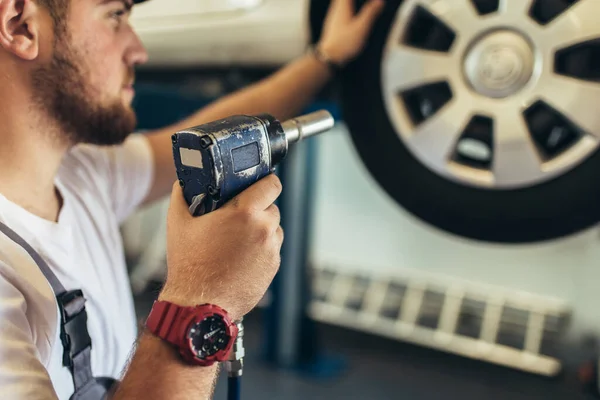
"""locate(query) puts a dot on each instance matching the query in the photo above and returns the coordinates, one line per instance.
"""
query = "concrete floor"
(378, 368)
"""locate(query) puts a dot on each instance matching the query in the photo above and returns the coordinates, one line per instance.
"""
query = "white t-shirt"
(100, 186)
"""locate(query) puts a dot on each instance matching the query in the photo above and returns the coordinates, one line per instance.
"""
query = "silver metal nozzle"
(297, 129)
(235, 363)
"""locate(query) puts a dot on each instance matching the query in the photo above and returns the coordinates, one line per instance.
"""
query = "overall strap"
(57, 287)
(74, 335)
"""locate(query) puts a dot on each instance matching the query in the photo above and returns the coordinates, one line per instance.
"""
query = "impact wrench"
(217, 161)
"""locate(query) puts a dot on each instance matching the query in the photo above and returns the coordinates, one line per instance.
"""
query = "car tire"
(555, 208)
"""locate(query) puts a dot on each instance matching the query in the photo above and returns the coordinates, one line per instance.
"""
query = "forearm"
(156, 372)
(283, 95)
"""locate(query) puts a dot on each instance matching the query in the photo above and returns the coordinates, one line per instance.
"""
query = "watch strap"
(171, 322)
(163, 321)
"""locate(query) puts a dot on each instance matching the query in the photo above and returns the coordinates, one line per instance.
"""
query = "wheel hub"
(499, 64)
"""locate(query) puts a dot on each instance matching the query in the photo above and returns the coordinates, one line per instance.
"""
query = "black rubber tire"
(556, 208)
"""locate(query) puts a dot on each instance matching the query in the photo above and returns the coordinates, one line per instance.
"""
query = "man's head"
(79, 56)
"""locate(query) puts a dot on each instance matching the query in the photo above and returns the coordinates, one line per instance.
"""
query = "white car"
(180, 33)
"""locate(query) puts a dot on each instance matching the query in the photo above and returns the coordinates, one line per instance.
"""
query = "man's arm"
(233, 268)
(283, 94)
(157, 372)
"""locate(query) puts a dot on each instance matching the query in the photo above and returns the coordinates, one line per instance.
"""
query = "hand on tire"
(345, 31)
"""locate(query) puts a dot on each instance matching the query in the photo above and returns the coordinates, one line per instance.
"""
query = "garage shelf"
(515, 329)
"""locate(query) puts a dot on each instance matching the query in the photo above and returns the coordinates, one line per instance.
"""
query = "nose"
(136, 52)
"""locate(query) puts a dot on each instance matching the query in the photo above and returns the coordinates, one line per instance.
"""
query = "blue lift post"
(291, 339)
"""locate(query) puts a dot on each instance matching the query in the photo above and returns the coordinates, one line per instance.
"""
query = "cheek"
(103, 70)
(103, 80)
(106, 74)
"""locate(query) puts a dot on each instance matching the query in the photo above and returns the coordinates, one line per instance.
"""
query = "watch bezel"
(198, 315)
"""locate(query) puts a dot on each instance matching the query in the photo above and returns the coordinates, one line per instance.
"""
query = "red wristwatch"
(203, 334)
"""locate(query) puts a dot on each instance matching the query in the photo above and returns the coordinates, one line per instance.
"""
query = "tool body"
(218, 160)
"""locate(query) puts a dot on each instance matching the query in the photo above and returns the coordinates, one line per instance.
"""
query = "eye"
(118, 14)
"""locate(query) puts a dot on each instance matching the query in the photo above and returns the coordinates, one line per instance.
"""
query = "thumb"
(178, 207)
(367, 15)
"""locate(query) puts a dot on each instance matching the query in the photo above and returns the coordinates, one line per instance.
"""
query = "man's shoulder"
(26, 301)
(20, 274)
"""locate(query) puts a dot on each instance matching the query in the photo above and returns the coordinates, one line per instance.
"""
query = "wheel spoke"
(459, 15)
(515, 8)
(515, 154)
(578, 24)
(407, 67)
(436, 138)
(576, 100)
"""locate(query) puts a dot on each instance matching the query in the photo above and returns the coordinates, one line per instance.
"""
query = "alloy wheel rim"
(484, 100)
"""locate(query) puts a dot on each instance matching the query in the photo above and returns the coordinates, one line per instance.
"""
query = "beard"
(62, 91)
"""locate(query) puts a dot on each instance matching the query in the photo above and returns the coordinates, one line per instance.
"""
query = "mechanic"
(70, 173)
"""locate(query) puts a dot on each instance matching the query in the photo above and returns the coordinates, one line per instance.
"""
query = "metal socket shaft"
(235, 363)
(297, 129)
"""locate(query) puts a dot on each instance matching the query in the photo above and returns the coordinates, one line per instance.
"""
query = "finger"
(280, 235)
(340, 11)
(368, 14)
(335, 5)
(260, 195)
(277, 240)
(178, 207)
(274, 214)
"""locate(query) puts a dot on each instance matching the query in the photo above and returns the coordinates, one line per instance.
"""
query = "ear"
(20, 25)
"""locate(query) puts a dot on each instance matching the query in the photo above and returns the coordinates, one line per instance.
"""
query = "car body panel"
(222, 32)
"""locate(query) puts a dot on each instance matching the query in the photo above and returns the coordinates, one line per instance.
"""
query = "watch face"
(208, 336)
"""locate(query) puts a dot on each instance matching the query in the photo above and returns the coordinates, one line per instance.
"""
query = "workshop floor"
(378, 368)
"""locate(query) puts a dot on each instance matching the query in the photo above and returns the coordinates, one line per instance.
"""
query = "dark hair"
(58, 11)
